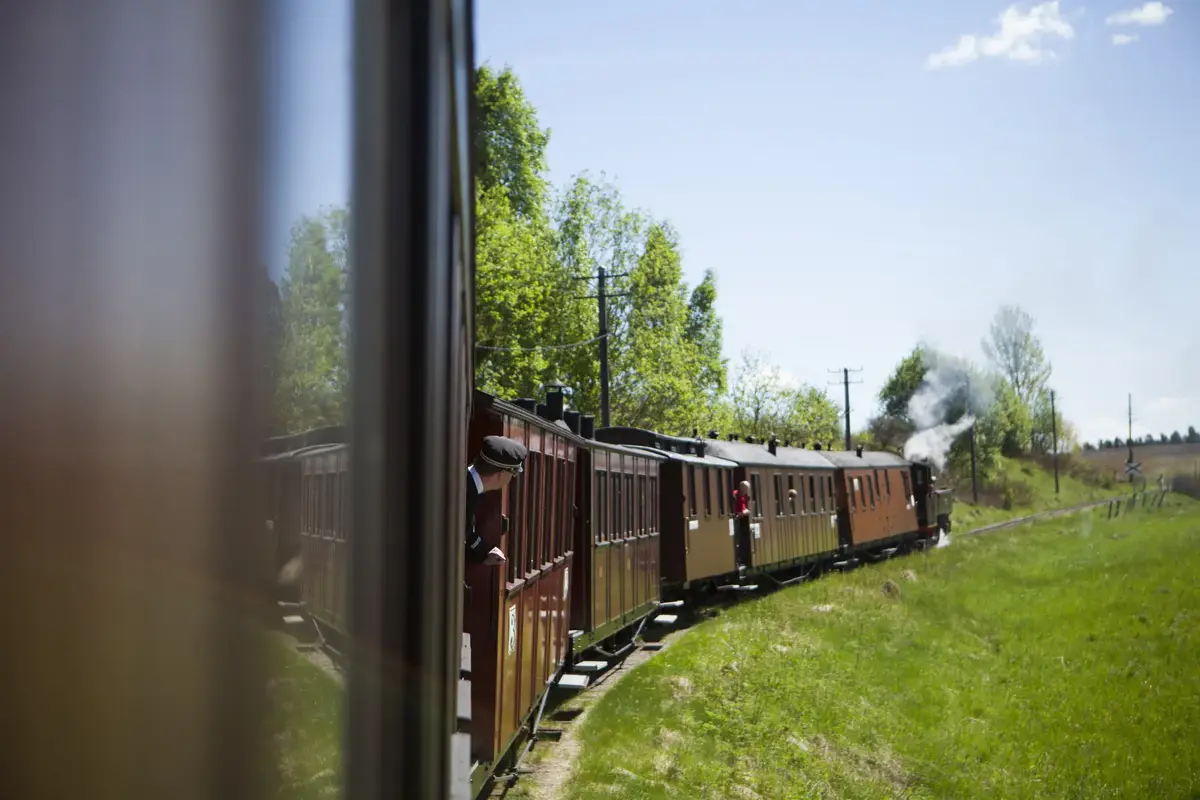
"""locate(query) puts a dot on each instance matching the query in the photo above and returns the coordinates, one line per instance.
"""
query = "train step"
(665, 619)
(591, 666)
(573, 681)
(298, 625)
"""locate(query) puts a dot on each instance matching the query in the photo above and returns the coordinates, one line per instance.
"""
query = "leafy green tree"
(313, 378)
(704, 331)
(809, 416)
(1192, 435)
(656, 362)
(510, 145)
(514, 280)
(903, 383)
(593, 230)
(270, 343)
(1016, 353)
(1176, 438)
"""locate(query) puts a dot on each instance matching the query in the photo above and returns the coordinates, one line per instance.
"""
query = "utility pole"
(1129, 441)
(974, 465)
(846, 383)
(1054, 435)
(602, 295)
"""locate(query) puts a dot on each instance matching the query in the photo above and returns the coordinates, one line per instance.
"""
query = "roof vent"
(817, 446)
(555, 402)
(527, 403)
(733, 437)
(540, 410)
(695, 433)
(587, 426)
(858, 451)
(751, 440)
(714, 434)
(772, 445)
(572, 420)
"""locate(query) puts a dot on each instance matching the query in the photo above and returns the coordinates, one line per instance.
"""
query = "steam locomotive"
(605, 531)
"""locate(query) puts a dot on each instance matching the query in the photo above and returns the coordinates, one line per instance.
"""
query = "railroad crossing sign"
(1133, 468)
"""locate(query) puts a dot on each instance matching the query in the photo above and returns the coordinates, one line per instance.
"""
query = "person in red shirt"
(741, 499)
(741, 508)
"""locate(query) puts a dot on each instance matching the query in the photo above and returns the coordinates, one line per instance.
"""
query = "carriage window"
(568, 529)
(829, 483)
(630, 507)
(346, 515)
(812, 492)
(877, 492)
(614, 520)
(654, 494)
(778, 495)
(887, 482)
(643, 505)
(854, 493)
(756, 492)
(871, 491)
(704, 478)
(821, 494)
(720, 491)
(535, 512)
(792, 497)
(516, 507)
(598, 525)
(862, 490)
(907, 486)
(691, 490)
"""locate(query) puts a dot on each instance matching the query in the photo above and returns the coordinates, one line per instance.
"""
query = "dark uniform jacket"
(477, 548)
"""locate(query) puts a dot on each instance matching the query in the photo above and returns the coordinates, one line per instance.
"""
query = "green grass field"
(1060, 659)
(306, 705)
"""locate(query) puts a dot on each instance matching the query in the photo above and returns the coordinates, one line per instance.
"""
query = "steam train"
(605, 529)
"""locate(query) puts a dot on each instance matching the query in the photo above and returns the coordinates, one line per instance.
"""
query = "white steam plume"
(945, 405)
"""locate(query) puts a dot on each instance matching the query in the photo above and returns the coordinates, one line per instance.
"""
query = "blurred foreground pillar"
(129, 217)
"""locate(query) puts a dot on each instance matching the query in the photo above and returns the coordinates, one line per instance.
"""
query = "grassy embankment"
(1024, 487)
(1054, 660)
(306, 707)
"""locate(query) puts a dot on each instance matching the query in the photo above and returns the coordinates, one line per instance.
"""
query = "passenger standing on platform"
(741, 499)
(741, 542)
(499, 459)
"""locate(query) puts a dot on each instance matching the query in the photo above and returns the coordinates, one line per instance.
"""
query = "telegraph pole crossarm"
(846, 384)
(602, 296)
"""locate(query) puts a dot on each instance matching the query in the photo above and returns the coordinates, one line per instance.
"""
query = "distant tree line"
(1191, 437)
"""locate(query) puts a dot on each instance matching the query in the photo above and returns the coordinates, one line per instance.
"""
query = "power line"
(593, 340)
(846, 382)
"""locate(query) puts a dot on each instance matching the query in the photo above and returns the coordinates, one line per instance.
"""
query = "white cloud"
(1019, 37)
(1124, 38)
(1149, 14)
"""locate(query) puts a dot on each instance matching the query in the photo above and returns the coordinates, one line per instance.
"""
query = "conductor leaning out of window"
(499, 459)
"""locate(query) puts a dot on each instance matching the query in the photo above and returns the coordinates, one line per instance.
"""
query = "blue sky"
(864, 175)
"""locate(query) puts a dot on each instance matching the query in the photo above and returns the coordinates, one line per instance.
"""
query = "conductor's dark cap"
(503, 453)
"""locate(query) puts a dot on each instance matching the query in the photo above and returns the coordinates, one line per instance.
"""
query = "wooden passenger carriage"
(617, 540)
(517, 614)
(694, 504)
(785, 531)
(877, 494)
